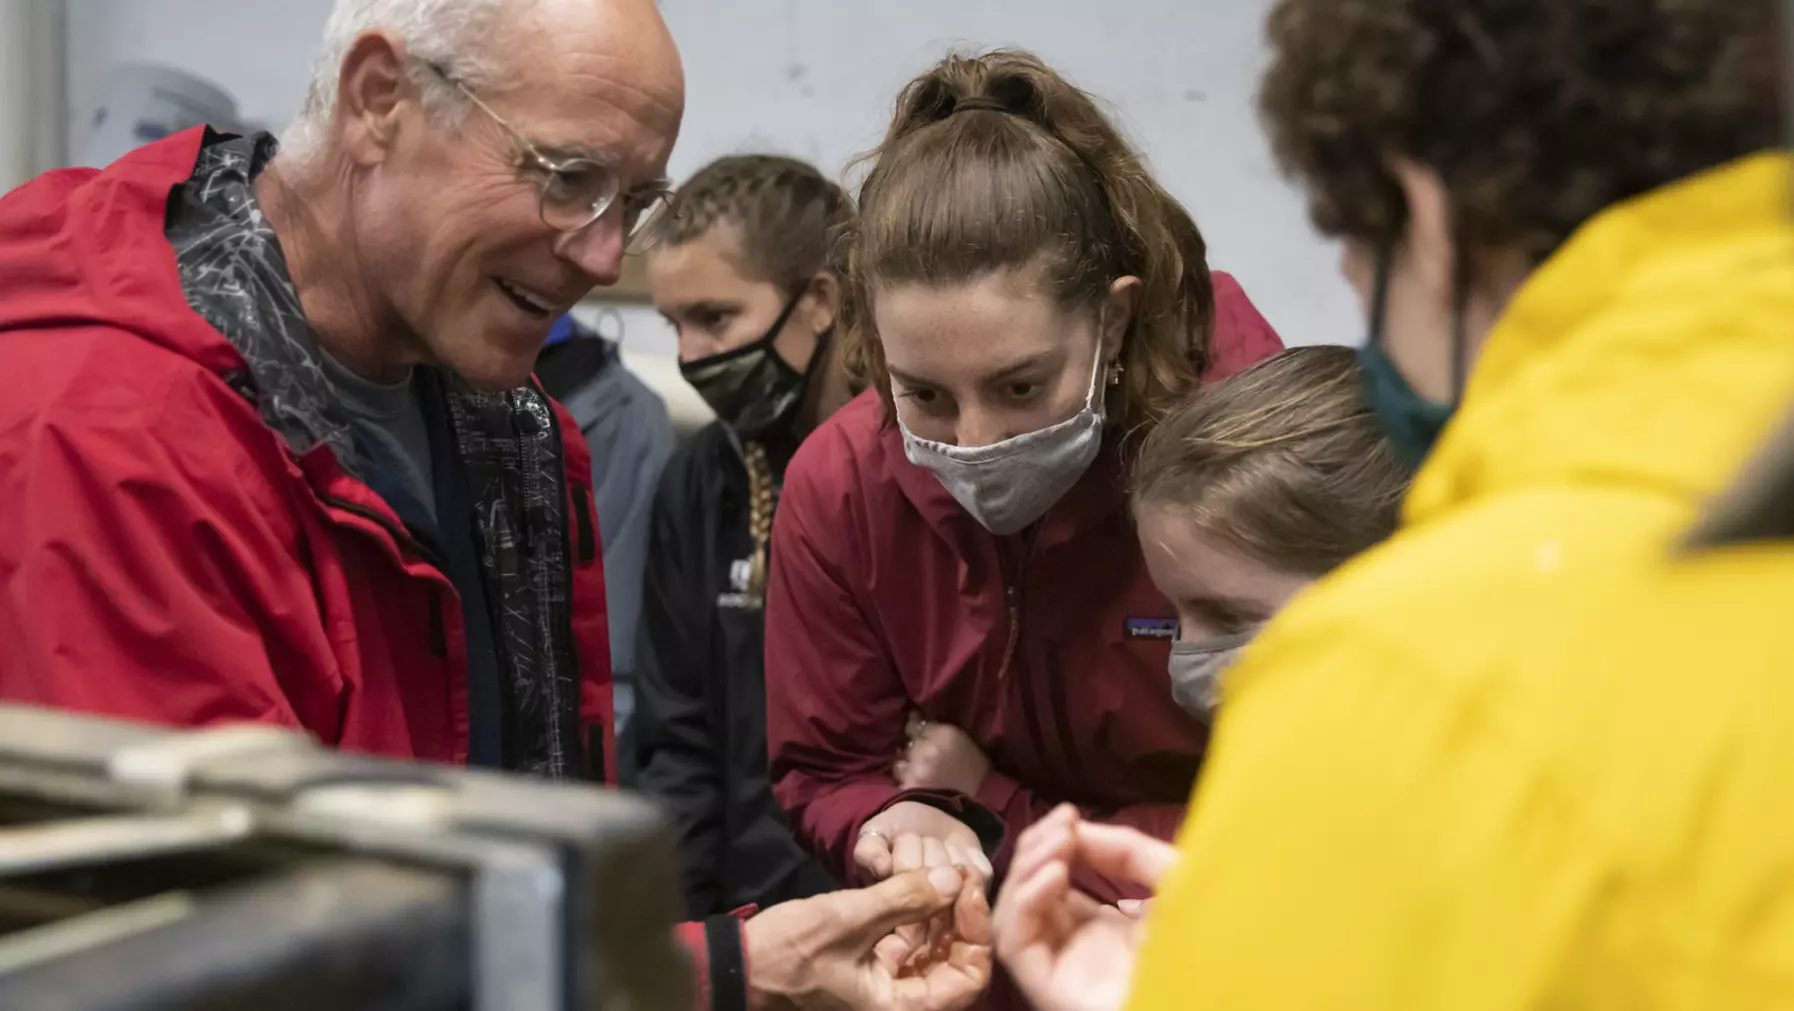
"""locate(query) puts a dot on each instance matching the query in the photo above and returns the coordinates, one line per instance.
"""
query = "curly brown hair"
(1284, 460)
(1536, 114)
(996, 162)
(793, 219)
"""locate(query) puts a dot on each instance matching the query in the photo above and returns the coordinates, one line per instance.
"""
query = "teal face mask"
(1411, 421)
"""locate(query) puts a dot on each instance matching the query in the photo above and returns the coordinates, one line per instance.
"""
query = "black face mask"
(753, 389)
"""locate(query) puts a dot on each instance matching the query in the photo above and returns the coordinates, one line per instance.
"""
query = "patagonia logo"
(1152, 628)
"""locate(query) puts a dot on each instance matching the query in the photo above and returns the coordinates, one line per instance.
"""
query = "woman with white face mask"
(1244, 496)
(1024, 302)
(1251, 492)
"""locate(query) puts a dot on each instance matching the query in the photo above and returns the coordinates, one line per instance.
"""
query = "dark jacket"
(700, 725)
(887, 596)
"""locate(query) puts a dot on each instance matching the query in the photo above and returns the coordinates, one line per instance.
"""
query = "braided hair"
(792, 223)
(793, 220)
(760, 507)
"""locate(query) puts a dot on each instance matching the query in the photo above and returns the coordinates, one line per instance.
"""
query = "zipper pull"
(1012, 596)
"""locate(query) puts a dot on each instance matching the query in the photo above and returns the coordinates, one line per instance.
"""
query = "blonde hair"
(996, 162)
(1285, 461)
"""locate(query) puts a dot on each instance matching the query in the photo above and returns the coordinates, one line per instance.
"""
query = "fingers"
(971, 916)
(892, 953)
(872, 854)
(934, 854)
(1027, 908)
(950, 985)
(971, 858)
(1135, 909)
(1081, 908)
(868, 914)
(1050, 838)
(1124, 853)
(906, 854)
(1026, 925)
(965, 841)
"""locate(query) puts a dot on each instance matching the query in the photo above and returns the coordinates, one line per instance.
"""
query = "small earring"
(1115, 375)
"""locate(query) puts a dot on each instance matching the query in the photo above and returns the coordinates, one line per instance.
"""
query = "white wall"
(32, 134)
(816, 78)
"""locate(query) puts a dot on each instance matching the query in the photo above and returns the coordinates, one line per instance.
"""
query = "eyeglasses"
(574, 192)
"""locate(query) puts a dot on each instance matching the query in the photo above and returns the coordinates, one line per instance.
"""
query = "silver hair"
(451, 34)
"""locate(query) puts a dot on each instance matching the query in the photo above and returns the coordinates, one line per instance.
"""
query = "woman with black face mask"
(745, 270)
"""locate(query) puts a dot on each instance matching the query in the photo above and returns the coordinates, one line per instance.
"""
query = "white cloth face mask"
(1007, 485)
(1196, 670)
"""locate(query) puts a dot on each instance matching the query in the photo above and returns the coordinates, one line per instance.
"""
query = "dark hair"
(996, 162)
(1284, 460)
(1537, 114)
(792, 218)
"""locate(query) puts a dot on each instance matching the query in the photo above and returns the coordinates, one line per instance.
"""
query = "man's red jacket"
(167, 553)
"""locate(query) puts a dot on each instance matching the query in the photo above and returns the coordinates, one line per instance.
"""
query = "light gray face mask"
(1010, 484)
(1196, 669)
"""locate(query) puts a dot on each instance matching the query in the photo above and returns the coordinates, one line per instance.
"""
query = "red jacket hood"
(80, 246)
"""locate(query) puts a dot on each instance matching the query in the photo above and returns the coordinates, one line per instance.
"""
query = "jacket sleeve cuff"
(692, 938)
(986, 825)
(726, 978)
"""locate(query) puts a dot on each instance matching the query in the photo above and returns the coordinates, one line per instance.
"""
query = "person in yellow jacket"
(1521, 755)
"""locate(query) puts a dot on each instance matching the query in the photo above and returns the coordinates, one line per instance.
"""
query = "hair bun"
(999, 81)
(978, 103)
(1014, 87)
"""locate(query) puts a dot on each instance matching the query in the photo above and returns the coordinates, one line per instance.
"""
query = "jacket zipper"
(1012, 596)
(402, 537)
(1037, 721)
(399, 534)
(1030, 706)
(563, 630)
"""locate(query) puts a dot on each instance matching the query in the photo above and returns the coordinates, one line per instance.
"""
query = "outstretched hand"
(1066, 951)
(908, 836)
(844, 950)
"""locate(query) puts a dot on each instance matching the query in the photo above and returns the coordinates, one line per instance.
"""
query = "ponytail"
(997, 163)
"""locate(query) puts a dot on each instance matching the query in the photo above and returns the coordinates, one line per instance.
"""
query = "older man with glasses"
(270, 449)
